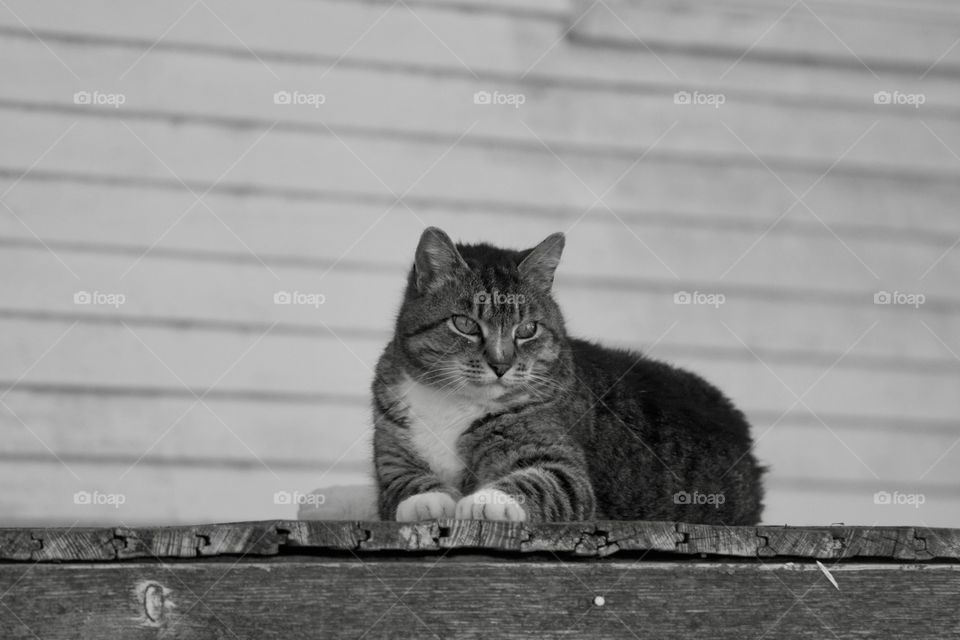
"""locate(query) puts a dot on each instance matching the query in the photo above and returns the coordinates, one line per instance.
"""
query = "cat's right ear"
(542, 261)
(437, 259)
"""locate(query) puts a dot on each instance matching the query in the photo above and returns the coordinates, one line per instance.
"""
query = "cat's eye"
(526, 330)
(463, 324)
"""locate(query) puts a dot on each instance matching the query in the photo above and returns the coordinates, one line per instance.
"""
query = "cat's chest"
(436, 421)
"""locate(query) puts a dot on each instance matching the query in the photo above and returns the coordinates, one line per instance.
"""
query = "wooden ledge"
(388, 580)
(588, 539)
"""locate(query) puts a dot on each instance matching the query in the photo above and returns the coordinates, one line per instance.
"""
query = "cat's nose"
(499, 368)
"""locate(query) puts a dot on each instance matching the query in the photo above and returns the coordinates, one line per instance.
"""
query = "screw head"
(599, 601)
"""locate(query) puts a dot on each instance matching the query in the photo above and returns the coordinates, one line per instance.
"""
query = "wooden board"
(449, 597)
(167, 84)
(107, 425)
(363, 167)
(583, 539)
(639, 251)
(534, 47)
(897, 37)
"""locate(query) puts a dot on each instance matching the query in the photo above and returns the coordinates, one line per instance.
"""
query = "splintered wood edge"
(583, 539)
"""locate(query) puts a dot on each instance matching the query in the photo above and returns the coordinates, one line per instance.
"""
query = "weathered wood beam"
(593, 539)
(445, 597)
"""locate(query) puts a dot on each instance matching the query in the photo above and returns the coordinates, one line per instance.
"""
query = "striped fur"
(571, 431)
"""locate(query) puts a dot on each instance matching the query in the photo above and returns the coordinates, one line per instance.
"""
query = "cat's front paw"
(433, 505)
(490, 504)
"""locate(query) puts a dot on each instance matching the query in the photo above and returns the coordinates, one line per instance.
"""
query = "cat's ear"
(541, 263)
(437, 259)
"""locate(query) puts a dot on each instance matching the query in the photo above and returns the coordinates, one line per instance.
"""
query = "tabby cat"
(485, 408)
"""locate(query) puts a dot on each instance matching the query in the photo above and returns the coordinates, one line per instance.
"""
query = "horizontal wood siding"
(798, 200)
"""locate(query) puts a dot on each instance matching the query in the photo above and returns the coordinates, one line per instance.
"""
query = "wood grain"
(450, 597)
(590, 539)
(388, 580)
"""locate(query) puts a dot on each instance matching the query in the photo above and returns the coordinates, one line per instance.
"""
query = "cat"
(484, 408)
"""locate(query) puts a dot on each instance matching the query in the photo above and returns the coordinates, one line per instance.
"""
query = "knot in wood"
(153, 601)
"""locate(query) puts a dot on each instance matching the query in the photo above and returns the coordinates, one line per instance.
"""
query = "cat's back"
(607, 370)
(658, 431)
(633, 383)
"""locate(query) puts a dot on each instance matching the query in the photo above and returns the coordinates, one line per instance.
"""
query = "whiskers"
(540, 386)
(448, 379)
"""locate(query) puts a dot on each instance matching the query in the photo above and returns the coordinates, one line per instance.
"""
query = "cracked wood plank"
(584, 539)
(825, 543)
(604, 538)
(939, 542)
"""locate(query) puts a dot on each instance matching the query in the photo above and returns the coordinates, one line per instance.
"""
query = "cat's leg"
(536, 483)
(408, 490)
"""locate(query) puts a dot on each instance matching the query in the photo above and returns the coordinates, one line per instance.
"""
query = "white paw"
(432, 505)
(490, 504)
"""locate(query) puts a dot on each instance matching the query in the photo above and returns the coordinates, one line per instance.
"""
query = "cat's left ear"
(541, 263)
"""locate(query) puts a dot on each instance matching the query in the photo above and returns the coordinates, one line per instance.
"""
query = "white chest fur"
(437, 420)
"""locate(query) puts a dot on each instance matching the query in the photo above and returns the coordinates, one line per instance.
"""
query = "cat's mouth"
(493, 388)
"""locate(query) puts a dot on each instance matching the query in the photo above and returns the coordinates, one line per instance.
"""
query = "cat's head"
(480, 319)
